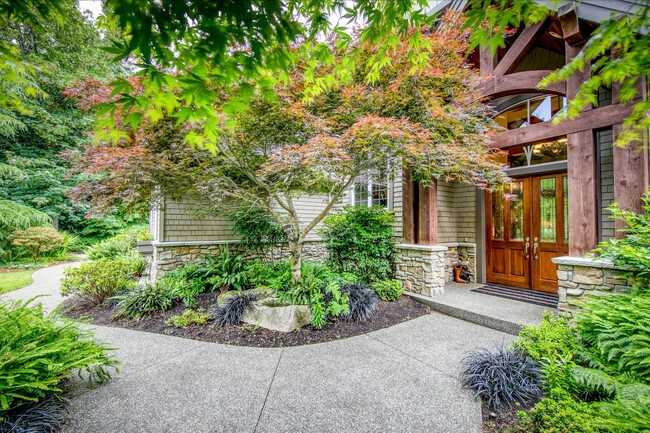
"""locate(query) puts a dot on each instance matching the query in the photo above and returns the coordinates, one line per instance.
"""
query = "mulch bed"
(387, 314)
(503, 421)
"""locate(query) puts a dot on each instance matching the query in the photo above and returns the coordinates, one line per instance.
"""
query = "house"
(534, 237)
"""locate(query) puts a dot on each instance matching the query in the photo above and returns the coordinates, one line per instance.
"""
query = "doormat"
(523, 295)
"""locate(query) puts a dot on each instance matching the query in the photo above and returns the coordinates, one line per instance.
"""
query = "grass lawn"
(15, 280)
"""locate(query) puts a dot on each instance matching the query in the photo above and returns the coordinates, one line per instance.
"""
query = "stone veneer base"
(580, 276)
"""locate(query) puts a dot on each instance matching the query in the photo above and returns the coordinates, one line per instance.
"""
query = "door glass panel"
(516, 212)
(565, 188)
(547, 210)
(497, 215)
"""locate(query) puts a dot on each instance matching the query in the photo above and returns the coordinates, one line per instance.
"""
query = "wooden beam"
(519, 49)
(575, 81)
(517, 83)
(428, 214)
(592, 119)
(488, 61)
(630, 166)
(568, 16)
(583, 212)
(408, 211)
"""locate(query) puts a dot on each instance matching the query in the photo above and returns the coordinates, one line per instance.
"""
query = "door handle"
(527, 246)
(535, 245)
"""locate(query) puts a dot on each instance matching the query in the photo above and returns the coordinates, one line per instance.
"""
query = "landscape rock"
(271, 314)
(258, 293)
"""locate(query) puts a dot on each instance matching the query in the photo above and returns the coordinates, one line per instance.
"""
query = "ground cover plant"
(39, 351)
(13, 280)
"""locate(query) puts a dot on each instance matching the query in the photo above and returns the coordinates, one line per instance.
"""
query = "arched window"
(537, 109)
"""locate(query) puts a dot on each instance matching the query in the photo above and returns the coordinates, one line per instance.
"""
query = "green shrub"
(187, 282)
(327, 301)
(257, 231)
(268, 275)
(37, 352)
(97, 281)
(633, 251)
(388, 290)
(560, 414)
(189, 317)
(615, 330)
(551, 338)
(118, 245)
(361, 240)
(37, 240)
(109, 249)
(226, 271)
(135, 261)
(146, 300)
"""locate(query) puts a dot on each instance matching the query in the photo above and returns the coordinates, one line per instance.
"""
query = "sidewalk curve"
(399, 379)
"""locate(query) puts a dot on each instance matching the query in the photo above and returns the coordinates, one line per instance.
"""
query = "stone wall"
(463, 254)
(171, 255)
(580, 276)
(421, 268)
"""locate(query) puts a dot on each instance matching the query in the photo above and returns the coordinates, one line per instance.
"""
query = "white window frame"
(389, 192)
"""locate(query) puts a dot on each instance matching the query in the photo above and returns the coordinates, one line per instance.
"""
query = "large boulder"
(260, 294)
(272, 314)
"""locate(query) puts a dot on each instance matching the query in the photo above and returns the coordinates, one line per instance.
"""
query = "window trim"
(389, 192)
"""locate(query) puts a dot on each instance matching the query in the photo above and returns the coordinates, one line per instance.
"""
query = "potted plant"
(145, 245)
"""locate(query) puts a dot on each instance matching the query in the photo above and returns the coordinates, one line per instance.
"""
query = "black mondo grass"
(46, 416)
(232, 311)
(502, 378)
(362, 301)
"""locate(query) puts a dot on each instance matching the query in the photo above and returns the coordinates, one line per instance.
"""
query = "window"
(535, 110)
(371, 190)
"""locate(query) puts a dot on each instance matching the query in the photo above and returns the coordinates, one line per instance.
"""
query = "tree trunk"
(295, 250)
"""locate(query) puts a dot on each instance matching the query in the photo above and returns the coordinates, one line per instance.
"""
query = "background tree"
(286, 145)
(59, 49)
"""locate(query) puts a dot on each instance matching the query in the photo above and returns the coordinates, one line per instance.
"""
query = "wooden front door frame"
(525, 262)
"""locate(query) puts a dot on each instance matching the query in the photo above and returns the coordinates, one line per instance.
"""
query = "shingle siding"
(604, 141)
(456, 212)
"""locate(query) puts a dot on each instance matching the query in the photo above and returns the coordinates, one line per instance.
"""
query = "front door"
(526, 228)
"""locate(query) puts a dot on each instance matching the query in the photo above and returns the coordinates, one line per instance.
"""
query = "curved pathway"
(399, 379)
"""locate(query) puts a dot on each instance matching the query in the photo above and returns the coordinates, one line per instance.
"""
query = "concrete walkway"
(400, 379)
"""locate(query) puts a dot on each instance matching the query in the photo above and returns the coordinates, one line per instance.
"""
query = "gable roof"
(590, 10)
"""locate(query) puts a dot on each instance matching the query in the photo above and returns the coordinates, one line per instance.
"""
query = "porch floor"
(502, 314)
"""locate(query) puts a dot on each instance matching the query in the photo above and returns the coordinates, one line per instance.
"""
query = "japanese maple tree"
(290, 143)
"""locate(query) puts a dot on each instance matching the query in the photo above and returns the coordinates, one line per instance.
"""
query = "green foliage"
(37, 352)
(120, 244)
(325, 302)
(98, 280)
(361, 240)
(615, 330)
(388, 290)
(551, 338)
(265, 275)
(209, 55)
(257, 231)
(633, 251)
(37, 240)
(146, 300)
(188, 318)
(188, 281)
(14, 216)
(629, 412)
(561, 414)
(228, 271)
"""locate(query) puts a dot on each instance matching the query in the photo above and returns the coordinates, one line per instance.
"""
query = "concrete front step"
(493, 312)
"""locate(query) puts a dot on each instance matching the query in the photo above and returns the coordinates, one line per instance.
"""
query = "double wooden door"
(527, 225)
